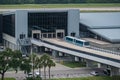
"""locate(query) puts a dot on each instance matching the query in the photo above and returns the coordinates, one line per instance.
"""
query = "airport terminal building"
(39, 24)
(45, 30)
(20, 24)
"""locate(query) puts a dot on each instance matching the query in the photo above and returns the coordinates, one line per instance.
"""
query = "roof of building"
(104, 24)
(113, 35)
(101, 19)
(12, 11)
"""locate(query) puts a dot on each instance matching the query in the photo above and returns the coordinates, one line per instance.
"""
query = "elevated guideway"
(91, 54)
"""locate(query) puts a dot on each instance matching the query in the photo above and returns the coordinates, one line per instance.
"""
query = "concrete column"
(82, 59)
(46, 35)
(54, 53)
(65, 54)
(76, 58)
(51, 35)
(99, 65)
(114, 71)
(103, 66)
(60, 54)
(46, 49)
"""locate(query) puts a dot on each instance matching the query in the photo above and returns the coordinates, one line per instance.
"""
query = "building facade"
(39, 24)
(1, 28)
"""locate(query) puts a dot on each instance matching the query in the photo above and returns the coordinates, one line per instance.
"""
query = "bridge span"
(83, 52)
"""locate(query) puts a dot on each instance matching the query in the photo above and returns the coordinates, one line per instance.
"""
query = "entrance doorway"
(73, 34)
(60, 33)
(36, 34)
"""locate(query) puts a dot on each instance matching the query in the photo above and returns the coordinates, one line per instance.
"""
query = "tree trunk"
(33, 71)
(49, 72)
(2, 76)
(45, 73)
(40, 72)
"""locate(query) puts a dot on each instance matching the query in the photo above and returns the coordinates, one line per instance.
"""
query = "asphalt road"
(57, 72)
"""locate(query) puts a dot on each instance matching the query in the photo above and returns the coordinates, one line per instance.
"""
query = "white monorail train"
(77, 41)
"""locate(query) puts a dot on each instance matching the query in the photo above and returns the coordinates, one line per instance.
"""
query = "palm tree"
(26, 65)
(44, 61)
(39, 65)
(50, 64)
(33, 58)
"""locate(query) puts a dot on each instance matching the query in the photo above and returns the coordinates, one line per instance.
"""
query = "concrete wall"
(9, 38)
(9, 42)
(21, 23)
(73, 22)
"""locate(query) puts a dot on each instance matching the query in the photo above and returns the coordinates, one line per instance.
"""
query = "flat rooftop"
(101, 19)
(104, 24)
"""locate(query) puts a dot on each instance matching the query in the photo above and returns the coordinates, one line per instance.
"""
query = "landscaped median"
(73, 64)
(92, 78)
(9, 79)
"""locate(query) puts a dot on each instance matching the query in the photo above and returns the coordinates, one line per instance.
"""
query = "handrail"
(23, 49)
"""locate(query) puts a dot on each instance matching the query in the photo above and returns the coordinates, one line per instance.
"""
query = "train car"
(81, 42)
(69, 39)
(77, 41)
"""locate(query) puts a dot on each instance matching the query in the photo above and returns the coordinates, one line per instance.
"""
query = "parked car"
(95, 73)
(29, 75)
(106, 72)
(37, 73)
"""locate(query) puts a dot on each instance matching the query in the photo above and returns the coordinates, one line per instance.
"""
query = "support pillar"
(54, 53)
(61, 54)
(65, 54)
(99, 65)
(103, 66)
(76, 58)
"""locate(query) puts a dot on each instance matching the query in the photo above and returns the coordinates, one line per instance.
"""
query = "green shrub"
(9, 79)
(36, 78)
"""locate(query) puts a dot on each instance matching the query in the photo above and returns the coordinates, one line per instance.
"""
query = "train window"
(69, 39)
(79, 42)
(86, 43)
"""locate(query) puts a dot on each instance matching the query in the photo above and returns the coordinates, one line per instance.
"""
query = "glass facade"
(0, 28)
(47, 21)
(9, 24)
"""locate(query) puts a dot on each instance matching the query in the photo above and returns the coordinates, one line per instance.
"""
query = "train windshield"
(87, 43)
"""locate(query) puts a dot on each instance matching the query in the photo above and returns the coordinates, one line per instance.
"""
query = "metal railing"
(22, 44)
(87, 53)
(104, 50)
